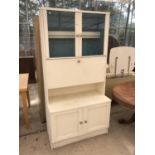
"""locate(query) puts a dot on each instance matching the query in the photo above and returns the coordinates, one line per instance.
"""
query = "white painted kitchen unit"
(74, 48)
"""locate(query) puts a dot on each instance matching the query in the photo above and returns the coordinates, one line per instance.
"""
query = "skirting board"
(79, 138)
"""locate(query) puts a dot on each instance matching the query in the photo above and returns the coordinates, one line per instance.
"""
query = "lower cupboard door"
(97, 117)
(65, 125)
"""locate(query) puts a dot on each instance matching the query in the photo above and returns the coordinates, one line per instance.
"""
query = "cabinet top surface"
(76, 100)
(73, 10)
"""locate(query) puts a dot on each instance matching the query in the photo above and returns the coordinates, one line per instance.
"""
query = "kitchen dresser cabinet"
(74, 47)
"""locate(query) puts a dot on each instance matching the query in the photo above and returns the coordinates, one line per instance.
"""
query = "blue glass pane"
(93, 23)
(60, 21)
(61, 47)
(91, 47)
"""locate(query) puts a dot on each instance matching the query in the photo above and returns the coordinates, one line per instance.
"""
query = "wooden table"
(124, 94)
(23, 90)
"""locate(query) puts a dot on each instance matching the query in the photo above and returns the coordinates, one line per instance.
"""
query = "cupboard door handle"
(78, 61)
(85, 121)
(81, 122)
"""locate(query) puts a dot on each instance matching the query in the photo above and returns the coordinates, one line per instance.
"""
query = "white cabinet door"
(65, 125)
(97, 117)
(70, 124)
(73, 72)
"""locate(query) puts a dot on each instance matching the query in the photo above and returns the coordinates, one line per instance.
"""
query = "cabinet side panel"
(43, 41)
(39, 68)
(108, 114)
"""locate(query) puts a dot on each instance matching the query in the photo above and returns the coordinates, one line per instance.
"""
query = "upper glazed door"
(93, 26)
(91, 31)
(61, 33)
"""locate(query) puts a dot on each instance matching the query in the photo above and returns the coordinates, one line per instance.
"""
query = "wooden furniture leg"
(128, 121)
(25, 109)
(28, 97)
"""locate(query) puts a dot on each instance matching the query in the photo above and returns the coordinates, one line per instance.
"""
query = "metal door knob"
(81, 122)
(85, 121)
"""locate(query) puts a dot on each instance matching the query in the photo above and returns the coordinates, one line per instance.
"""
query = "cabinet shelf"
(76, 100)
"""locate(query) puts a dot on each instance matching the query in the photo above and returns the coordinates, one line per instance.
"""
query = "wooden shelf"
(76, 100)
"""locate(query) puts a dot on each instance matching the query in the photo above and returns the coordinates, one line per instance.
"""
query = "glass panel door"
(92, 34)
(61, 33)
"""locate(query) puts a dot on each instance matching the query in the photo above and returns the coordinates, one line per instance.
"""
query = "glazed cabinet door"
(97, 117)
(61, 33)
(93, 27)
(65, 125)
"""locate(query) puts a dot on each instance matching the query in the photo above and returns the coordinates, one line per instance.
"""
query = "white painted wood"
(73, 10)
(78, 33)
(76, 100)
(108, 106)
(73, 72)
(122, 54)
(74, 87)
(79, 138)
(77, 58)
(78, 121)
(90, 34)
(45, 31)
(48, 120)
(43, 49)
(61, 34)
(106, 36)
(69, 34)
(96, 117)
(65, 125)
